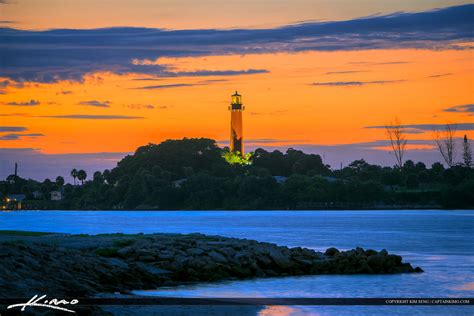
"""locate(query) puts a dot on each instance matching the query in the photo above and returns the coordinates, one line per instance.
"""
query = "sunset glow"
(311, 97)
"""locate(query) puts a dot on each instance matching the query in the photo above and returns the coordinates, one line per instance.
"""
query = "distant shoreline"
(260, 210)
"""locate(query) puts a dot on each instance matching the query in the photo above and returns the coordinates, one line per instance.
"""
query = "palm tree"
(60, 181)
(81, 175)
(74, 174)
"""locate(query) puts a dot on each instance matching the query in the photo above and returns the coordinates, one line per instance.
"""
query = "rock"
(217, 257)
(195, 251)
(279, 258)
(74, 268)
(151, 269)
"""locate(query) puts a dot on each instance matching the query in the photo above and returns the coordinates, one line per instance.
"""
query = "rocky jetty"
(83, 265)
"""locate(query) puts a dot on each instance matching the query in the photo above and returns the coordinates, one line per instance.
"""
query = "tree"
(446, 143)
(82, 175)
(398, 141)
(466, 152)
(74, 174)
(97, 177)
(60, 181)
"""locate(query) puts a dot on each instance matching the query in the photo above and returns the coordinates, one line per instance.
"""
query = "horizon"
(80, 92)
(61, 163)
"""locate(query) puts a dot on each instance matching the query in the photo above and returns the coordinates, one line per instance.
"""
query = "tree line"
(197, 174)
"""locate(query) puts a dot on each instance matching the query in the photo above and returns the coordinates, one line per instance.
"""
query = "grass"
(22, 233)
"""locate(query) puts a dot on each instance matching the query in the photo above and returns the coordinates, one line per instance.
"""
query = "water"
(441, 242)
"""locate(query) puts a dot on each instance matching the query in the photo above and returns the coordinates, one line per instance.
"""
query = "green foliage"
(236, 158)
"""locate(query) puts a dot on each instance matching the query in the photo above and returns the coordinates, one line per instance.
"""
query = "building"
(37, 194)
(56, 196)
(13, 201)
(236, 125)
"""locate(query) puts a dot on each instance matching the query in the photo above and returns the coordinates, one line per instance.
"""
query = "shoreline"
(232, 210)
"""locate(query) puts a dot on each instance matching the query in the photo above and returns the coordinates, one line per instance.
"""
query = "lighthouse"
(236, 125)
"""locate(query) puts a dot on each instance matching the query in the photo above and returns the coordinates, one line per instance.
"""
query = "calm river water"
(441, 242)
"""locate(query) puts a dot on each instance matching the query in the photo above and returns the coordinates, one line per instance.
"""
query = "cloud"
(168, 86)
(205, 73)
(64, 92)
(431, 127)
(144, 106)
(8, 83)
(354, 83)
(255, 141)
(16, 136)
(15, 114)
(7, 22)
(103, 104)
(26, 103)
(69, 54)
(465, 108)
(371, 63)
(345, 72)
(12, 129)
(94, 117)
(440, 75)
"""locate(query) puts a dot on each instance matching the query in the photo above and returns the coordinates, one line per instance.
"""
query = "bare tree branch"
(466, 152)
(398, 141)
(445, 140)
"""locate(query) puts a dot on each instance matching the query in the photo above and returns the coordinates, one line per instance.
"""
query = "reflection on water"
(466, 287)
(281, 311)
(441, 242)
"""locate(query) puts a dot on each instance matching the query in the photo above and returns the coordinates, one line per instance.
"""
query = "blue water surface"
(441, 242)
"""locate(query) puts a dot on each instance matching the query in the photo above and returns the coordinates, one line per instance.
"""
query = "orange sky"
(281, 104)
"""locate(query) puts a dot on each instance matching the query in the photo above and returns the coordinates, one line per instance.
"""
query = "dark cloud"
(102, 104)
(440, 75)
(465, 108)
(12, 129)
(16, 136)
(205, 73)
(52, 55)
(354, 83)
(431, 127)
(7, 22)
(9, 83)
(26, 103)
(94, 117)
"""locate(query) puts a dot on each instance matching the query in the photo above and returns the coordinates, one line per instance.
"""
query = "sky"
(84, 83)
